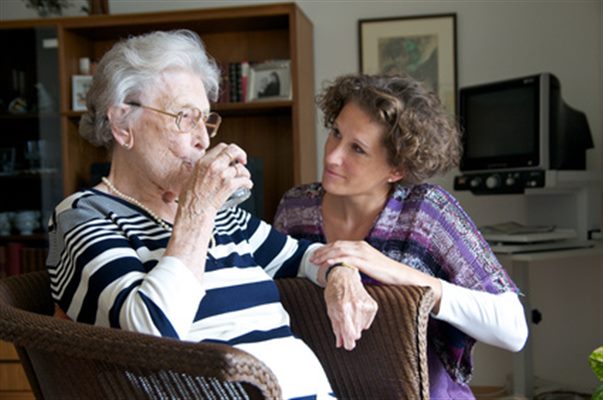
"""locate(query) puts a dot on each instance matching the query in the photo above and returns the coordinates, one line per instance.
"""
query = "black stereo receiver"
(500, 182)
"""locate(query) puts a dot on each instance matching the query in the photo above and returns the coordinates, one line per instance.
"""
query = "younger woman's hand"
(361, 255)
(375, 264)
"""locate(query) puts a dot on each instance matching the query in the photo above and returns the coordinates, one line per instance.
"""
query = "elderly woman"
(388, 134)
(151, 250)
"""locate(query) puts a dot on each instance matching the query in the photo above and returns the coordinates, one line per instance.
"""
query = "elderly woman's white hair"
(132, 66)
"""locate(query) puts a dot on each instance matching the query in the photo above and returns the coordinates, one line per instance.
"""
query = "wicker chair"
(67, 360)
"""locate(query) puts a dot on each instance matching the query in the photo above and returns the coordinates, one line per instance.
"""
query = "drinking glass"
(239, 196)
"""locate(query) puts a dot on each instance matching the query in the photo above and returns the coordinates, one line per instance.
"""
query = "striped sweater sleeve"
(281, 255)
(98, 277)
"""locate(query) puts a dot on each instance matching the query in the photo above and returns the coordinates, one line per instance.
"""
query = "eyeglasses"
(188, 118)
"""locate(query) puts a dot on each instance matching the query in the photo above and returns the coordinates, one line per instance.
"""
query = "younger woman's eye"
(335, 133)
(358, 149)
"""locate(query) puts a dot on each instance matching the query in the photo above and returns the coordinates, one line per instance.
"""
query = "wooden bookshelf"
(280, 133)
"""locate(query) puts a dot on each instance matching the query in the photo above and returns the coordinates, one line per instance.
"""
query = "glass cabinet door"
(30, 136)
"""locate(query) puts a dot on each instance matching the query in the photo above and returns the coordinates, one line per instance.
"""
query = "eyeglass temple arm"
(135, 104)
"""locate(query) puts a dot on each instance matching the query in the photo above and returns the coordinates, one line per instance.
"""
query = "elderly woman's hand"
(215, 177)
(349, 306)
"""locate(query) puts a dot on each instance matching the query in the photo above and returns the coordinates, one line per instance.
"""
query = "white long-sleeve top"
(495, 319)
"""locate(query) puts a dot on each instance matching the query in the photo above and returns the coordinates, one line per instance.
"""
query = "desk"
(521, 266)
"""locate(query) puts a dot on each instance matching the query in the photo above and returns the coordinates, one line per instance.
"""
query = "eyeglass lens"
(212, 123)
(187, 119)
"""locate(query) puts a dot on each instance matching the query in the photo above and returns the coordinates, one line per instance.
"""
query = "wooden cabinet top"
(240, 18)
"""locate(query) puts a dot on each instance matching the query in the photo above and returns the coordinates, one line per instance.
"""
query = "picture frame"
(79, 88)
(270, 80)
(423, 47)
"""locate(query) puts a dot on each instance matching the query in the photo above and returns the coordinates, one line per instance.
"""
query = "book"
(224, 94)
(234, 79)
(33, 259)
(244, 80)
(2, 261)
(13, 258)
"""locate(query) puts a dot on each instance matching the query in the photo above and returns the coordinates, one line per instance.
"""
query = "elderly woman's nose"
(201, 136)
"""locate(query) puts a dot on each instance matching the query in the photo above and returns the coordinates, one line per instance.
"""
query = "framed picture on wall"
(270, 80)
(423, 47)
(79, 88)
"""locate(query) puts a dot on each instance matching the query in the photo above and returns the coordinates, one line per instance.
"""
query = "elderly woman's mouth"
(189, 164)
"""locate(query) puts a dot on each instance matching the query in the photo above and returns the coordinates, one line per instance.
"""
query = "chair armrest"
(65, 359)
(389, 361)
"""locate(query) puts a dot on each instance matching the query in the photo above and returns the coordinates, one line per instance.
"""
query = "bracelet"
(340, 264)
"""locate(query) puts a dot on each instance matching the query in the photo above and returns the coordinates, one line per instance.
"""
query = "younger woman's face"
(355, 159)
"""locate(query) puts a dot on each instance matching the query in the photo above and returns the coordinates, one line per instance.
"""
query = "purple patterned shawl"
(424, 227)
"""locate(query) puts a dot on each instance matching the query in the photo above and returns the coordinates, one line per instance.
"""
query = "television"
(515, 130)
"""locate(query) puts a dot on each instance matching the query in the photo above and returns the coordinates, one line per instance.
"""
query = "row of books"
(233, 82)
(16, 258)
(250, 81)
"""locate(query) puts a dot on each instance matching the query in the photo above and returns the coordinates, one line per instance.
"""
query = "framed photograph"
(423, 47)
(269, 81)
(79, 87)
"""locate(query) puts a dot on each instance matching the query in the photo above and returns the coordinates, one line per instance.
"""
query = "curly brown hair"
(419, 135)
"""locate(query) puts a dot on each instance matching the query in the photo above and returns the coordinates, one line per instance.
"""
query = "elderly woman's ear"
(120, 126)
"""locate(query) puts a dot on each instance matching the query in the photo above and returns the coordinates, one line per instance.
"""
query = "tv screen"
(501, 124)
(506, 121)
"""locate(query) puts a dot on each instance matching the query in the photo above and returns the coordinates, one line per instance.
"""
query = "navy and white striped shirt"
(107, 268)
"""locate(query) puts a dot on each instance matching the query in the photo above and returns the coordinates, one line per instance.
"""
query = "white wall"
(497, 39)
